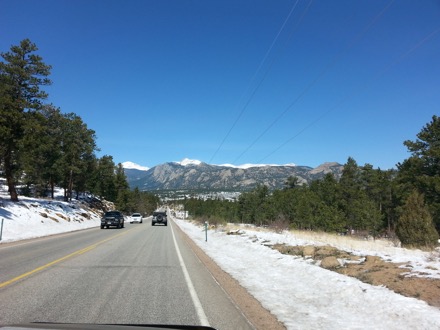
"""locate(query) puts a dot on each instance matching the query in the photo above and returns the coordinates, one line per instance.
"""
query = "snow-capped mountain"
(246, 166)
(134, 166)
(187, 161)
(194, 174)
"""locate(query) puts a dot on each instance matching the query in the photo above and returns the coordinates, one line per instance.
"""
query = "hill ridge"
(190, 175)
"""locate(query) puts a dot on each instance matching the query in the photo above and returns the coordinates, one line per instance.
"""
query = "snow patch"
(134, 166)
(304, 296)
(301, 295)
(246, 166)
(187, 161)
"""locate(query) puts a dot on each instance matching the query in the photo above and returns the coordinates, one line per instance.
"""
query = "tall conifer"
(22, 73)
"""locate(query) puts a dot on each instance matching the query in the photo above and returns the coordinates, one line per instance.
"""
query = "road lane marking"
(195, 298)
(32, 240)
(79, 252)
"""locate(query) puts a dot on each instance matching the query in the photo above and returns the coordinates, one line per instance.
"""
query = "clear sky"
(239, 81)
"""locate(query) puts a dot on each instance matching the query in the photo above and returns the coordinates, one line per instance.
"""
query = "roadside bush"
(280, 224)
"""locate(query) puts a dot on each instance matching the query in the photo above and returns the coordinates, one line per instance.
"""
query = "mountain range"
(196, 175)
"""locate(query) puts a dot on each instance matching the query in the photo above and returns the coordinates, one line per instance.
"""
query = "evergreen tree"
(291, 182)
(350, 185)
(327, 189)
(21, 75)
(331, 218)
(357, 185)
(252, 205)
(105, 179)
(415, 227)
(307, 210)
(284, 204)
(388, 199)
(379, 188)
(83, 180)
(123, 192)
(422, 170)
(41, 149)
(77, 152)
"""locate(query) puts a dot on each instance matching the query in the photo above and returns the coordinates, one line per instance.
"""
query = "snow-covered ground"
(305, 296)
(31, 218)
(301, 294)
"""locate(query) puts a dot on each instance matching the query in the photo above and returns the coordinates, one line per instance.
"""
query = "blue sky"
(239, 81)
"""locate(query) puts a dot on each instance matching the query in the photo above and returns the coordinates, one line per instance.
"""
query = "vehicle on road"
(159, 217)
(136, 217)
(112, 219)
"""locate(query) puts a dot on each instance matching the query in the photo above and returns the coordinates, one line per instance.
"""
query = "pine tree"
(106, 179)
(291, 182)
(422, 170)
(123, 202)
(42, 150)
(415, 227)
(21, 75)
(350, 188)
(77, 146)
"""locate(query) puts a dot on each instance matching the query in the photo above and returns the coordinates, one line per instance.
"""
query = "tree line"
(403, 201)
(42, 148)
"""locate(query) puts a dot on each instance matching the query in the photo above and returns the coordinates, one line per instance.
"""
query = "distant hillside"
(198, 175)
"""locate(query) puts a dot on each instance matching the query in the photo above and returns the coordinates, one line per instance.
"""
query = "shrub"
(415, 227)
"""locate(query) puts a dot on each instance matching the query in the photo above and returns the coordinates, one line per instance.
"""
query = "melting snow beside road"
(304, 296)
(301, 294)
(31, 218)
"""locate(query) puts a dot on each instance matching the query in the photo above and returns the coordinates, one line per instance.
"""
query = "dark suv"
(112, 218)
(159, 216)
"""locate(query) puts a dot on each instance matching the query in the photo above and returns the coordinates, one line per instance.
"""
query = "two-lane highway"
(141, 274)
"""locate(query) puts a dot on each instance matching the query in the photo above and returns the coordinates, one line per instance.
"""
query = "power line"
(330, 65)
(357, 91)
(255, 75)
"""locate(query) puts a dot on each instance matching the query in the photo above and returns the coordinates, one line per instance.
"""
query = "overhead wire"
(329, 65)
(256, 74)
(358, 90)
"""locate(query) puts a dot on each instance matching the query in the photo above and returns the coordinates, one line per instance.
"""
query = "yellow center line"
(79, 252)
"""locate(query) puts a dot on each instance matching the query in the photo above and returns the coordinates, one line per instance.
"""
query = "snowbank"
(305, 296)
(301, 294)
(31, 218)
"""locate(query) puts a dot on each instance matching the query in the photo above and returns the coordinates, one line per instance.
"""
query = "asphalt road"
(137, 275)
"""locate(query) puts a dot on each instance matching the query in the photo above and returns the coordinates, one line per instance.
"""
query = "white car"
(136, 217)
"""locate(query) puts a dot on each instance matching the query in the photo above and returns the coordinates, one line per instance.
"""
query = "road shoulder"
(251, 308)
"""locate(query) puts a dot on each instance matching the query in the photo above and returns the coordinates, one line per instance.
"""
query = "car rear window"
(111, 214)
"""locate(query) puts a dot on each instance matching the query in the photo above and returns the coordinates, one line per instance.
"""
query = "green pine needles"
(415, 227)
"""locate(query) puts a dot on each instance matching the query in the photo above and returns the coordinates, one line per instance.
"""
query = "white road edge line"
(195, 298)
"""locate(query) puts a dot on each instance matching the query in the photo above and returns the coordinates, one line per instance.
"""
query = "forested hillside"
(364, 200)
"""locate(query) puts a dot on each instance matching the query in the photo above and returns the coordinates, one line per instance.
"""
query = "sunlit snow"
(300, 294)
(305, 296)
(131, 165)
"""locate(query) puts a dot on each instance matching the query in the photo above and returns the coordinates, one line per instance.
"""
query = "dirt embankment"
(370, 269)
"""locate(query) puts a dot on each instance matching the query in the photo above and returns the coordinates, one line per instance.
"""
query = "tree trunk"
(70, 185)
(52, 188)
(10, 177)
